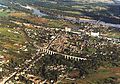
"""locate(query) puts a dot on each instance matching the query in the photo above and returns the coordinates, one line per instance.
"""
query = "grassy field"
(98, 77)
(4, 13)
(113, 34)
(10, 39)
(73, 12)
(11, 34)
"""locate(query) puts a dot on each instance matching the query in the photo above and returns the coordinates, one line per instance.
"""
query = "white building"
(67, 29)
(94, 34)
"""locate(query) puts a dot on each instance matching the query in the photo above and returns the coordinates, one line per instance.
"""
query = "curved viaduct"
(66, 56)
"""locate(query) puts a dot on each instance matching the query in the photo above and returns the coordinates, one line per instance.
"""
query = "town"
(56, 49)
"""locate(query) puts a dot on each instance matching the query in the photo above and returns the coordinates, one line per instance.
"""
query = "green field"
(11, 35)
(4, 13)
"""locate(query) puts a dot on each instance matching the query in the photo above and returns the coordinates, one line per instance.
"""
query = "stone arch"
(71, 57)
(53, 53)
(50, 52)
(43, 50)
(47, 52)
(65, 57)
(77, 59)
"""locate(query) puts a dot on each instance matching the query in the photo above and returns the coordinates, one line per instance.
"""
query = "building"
(94, 34)
(67, 29)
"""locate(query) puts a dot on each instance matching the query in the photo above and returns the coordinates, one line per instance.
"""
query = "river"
(116, 1)
(35, 10)
(40, 14)
(1, 5)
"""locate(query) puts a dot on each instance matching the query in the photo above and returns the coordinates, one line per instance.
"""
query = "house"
(67, 29)
(1, 69)
(2, 59)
